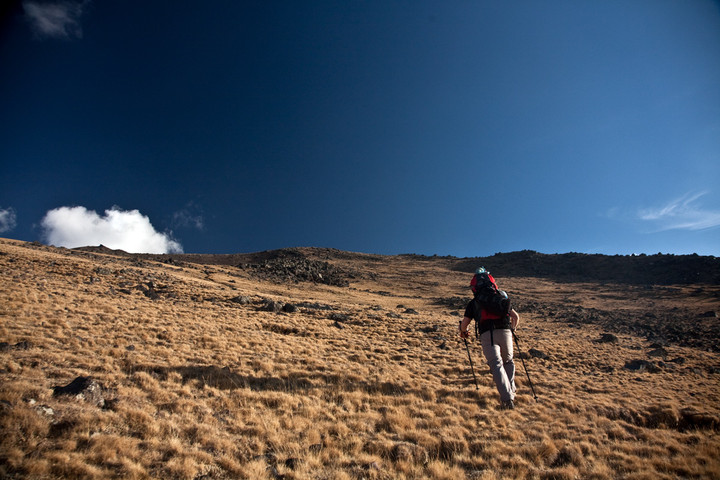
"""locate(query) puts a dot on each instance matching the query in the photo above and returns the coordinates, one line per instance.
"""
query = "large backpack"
(491, 299)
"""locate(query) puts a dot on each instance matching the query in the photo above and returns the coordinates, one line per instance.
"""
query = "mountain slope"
(250, 366)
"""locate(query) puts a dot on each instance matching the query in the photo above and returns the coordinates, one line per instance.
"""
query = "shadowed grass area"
(201, 379)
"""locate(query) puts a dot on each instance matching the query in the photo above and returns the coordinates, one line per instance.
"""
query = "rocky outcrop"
(294, 269)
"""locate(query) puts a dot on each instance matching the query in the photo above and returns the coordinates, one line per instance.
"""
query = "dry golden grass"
(200, 387)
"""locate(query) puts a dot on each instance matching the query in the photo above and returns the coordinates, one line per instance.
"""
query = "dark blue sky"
(461, 127)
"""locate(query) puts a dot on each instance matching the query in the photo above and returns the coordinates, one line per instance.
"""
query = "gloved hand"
(464, 334)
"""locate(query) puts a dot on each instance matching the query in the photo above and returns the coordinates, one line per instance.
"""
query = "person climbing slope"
(495, 322)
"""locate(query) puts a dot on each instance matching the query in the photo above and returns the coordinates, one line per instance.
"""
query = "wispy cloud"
(8, 219)
(684, 213)
(127, 230)
(55, 19)
(189, 217)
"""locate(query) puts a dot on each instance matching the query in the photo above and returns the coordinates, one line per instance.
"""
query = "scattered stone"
(45, 410)
(452, 302)
(339, 317)
(411, 311)
(338, 325)
(241, 299)
(709, 314)
(83, 388)
(534, 353)
(679, 360)
(272, 306)
(641, 365)
(315, 306)
(393, 315)
(149, 290)
(658, 352)
(289, 308)
(608, 338)
(431, 329)
(6, 347)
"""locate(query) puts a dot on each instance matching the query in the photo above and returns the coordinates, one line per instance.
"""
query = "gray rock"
(241, 299)
(82, 388)
(641, 365)
(272, 306)
(608, 338)
(339, 317)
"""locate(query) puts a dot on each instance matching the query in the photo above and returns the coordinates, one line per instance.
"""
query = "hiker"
(494, 324)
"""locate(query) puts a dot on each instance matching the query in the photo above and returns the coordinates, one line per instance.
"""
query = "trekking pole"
(472, 369)
(524, 366)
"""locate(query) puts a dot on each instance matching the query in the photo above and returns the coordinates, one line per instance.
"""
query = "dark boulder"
(289, 308)
(658, 352)
(641, 365)
(608, 338)
(241, 299)
(271, 306)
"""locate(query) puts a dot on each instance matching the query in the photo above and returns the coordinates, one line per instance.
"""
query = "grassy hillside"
(319, 364)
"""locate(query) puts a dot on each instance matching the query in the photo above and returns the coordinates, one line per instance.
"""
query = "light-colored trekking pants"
(499, 356)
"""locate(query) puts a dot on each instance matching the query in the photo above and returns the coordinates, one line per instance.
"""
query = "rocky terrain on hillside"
(643, 276)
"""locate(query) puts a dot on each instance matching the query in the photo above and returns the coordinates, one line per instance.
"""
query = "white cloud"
(684, 213)
(55, 19)
(8, 219)
(125, 230)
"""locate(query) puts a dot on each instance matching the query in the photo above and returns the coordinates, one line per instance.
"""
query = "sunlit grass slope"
(201, 381)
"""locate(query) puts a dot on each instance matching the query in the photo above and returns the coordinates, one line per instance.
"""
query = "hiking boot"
(507, 405)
